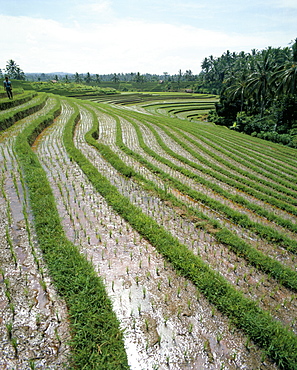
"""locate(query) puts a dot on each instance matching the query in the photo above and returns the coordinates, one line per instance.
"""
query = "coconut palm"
(259, 82)
(237, 89)
(286, 75)
(14, 71)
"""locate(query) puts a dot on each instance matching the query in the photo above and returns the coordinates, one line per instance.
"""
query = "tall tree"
(115, 78)
(77, 78)
(286, 75)
(14, 71)
(258, 83)
(88, 78)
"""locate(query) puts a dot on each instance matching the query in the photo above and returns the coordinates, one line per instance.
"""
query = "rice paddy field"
(136, 235)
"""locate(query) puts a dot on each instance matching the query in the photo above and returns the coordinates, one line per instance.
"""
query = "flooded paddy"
(167, 323)
(33, 319)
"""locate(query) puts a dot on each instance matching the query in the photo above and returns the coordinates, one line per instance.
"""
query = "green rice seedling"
(140, 264)
(219, 337)
(58, 336)
(112, 285)
(146, 324)
(233, 355)
(32, 364)
(167, 361)
(127, 270)
(144, 292)
(8, 295)
(169, 281)
(139, 310)
(179, 311)
(12, 308)
(14, 343)
(165, 320)
(178, 291)
(190, 328)
(159, 284)
(9, 327)
(189, 304)
(137, 279)
(16, 186)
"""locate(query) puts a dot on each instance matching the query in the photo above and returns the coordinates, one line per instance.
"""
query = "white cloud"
(96, 8)
(291, 4)
(40, 45)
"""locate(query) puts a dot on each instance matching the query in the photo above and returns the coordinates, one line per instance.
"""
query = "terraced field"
(134, 238)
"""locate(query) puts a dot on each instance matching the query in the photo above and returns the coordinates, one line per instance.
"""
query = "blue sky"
(146, 36)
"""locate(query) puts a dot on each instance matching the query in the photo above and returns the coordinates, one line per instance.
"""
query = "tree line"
(258, 92)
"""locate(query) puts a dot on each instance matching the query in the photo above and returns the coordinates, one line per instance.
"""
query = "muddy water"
(33, 324)
(166, 322)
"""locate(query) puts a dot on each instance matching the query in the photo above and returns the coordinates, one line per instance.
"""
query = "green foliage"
(70, 89)
(14, 71)
(256, 89)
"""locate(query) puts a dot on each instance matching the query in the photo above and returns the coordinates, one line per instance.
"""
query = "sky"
(145, 36)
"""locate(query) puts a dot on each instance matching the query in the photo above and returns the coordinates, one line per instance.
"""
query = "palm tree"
(115, 78)
(77, 78)
(258, 83)
(14, 71)
(286, 75)
(237, 89)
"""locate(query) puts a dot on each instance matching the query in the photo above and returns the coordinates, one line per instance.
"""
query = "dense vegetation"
(257, 92)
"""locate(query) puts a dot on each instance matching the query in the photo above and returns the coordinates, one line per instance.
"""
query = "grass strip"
(282, 274)
(216, 172)
(19, 99)
(250, 184)
(279, 343)
(243, 220)
(97, 341)
(9, 118)
(247, 158)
